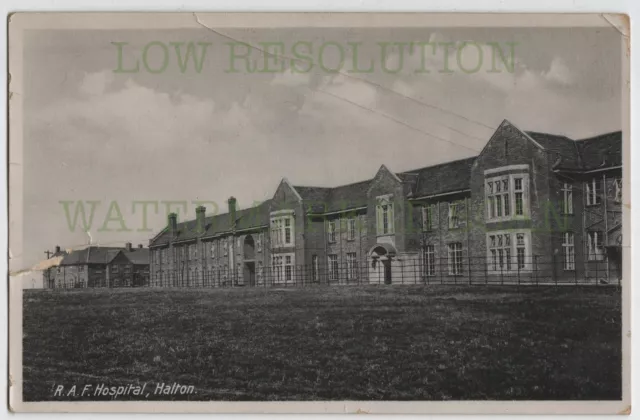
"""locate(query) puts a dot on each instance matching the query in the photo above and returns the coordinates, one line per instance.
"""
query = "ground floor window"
(282, 268)
(508, 251)
(595, 248)
(454, 258)
(569, 253)
(429, 260)
(352, 267)
(333, 267)
(314, 268)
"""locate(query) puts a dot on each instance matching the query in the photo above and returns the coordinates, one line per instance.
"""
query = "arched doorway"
(381, 262)
(249, 253)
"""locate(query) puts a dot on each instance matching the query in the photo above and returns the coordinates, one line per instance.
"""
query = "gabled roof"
(582, 155)
(441, 178)
(90, 255)
(341, 198)
(601, 151)
(137, 256)
(104, 255)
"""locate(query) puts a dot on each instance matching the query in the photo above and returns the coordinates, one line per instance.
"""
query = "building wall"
(509, 151)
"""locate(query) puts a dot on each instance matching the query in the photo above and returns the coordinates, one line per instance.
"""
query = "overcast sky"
(92, 134)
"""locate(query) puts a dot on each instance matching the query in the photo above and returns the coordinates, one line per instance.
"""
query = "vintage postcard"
(319, 213)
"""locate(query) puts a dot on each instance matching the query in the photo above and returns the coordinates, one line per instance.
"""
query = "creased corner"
(626, 411)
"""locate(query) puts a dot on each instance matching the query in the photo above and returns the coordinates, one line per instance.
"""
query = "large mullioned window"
(508, 251)
(506, 196)
(282, 230)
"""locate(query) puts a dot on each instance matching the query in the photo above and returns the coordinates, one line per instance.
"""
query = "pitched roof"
(564, 147)
(592, 153)
(437, 179)
(90, 255)
(601, 151)
(442, 178)
(248, 218)
(138, 256)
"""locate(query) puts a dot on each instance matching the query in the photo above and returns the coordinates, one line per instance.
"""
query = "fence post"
(535, 268)
(486, 272)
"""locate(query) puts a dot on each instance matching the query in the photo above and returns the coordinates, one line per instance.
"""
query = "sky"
(93, 133)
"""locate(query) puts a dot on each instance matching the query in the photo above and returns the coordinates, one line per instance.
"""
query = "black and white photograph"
(404, 212)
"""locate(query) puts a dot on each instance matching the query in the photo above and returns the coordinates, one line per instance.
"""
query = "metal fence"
(425, 270)
(534, 270)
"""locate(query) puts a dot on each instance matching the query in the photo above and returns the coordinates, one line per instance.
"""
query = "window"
(500, 252)
(384, 216)
(429, 260)
(594, 244)
(454, 215)
(333, 267)
(224, 247)
(352, 267)
(518, 193)
(282, 231)
(259, 242)
(282, 267)
(567, 198)
(593, 191)
(569, 251)
(314, 269)
(276, 268)
(351, 228)
(617, 188)
(331, 230)
(454, 260)
(213, 250)
(508, 252)
(427, 218)
(506, 196)
(288, 268)
(520, 251)
(127, 269)
(114, 269)
(81, 268)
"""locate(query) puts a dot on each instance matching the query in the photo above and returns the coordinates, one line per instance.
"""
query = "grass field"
(340, 343)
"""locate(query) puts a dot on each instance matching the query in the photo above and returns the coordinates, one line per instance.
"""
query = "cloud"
(96, 83)
(558, 72)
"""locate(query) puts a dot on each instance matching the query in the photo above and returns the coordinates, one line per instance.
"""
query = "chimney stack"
(232, 212)
(57, 249)
(173, 223)
(128, 246)
(200, 219)
(139, 246)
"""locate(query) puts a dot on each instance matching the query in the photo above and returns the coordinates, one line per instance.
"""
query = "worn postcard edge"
(19, 22)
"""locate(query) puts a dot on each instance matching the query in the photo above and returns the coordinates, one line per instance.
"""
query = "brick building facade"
(534, 206)
(99, 266)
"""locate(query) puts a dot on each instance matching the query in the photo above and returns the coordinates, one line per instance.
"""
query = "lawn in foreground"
(334, 343)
